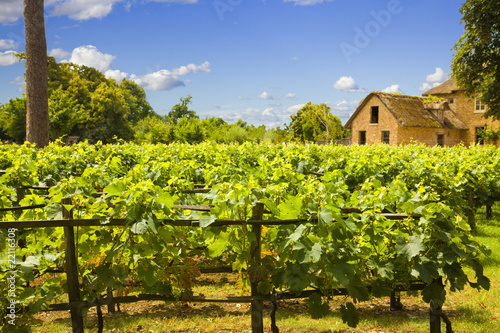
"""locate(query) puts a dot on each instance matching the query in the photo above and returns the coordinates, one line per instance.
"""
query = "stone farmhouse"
(397, 119)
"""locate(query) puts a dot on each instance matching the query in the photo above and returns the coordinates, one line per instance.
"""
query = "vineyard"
(291, 220)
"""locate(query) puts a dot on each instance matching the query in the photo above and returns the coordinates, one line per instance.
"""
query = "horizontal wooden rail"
(178, 223)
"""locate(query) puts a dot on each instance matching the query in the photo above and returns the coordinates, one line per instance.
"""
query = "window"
(479, 135)
(362, 137)
(440, 140)
(374, 117)
(480, 107)
(385, 136)
(451, 100)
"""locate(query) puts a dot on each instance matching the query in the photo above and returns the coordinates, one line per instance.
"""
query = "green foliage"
(64, 114)
(431, 99)
(181, 110)
(108, 114)
(489, 135)
(189, 130)
(325, 251)
(313, 122)
(153, 129)
(84, 103)
(475, 63)
(13, 119)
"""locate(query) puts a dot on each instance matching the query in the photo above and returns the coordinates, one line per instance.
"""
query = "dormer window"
(374, 115)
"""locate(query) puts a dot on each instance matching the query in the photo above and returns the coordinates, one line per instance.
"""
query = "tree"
(37, 116)
(181, 109)
(189, 130)
(82, 102)
(153, 130)
(476, 63)
(313, 122)
(64, 114)
(13, 120)
(136, 98)
(108, 114)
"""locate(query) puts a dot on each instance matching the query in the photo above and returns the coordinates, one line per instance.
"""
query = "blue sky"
(258, 60)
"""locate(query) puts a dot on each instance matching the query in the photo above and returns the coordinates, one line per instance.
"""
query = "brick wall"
(386, 122)
(464, 108)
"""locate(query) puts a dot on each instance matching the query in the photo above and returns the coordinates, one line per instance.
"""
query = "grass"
(469, 310)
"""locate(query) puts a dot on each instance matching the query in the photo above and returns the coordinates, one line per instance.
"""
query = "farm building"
(398, 119)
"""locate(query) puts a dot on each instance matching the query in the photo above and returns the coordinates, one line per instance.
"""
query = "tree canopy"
(181, 110)
(313, 122)
(476, 63)
(84, 103)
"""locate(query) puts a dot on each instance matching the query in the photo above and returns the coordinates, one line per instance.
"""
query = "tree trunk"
(37, 101)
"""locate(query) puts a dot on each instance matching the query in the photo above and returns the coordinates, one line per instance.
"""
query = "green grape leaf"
(325, 216)
(411, 248)
(434, 292)
(116, 189)
(349, 314)
(290, 208)
(218, 247)
(140, 227)
(358, 292)
(205, 221)
(315, 252)
(265, 287)
(54, 212)
(316, 307)
(271, 206)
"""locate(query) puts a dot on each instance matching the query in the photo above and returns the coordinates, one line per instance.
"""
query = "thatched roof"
(409, 111)
(447, 87)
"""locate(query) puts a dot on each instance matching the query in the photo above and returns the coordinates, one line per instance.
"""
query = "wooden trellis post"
(72, 272)
(255, 258)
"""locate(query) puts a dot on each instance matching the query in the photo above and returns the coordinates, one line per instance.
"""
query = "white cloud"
(433, 80)
(290, 96)
(266, 95)
(11, 11)
(167, 80)
(392, 89)
(59, 53)
(90, 56)
(438, 77)
(347, 84)
(160, 80)
(18, 81)
(242, 98)
(7, 58)
(293, 109)
(294, 58)
(185, 2)
(425, 86)
(192, 68)
(6, 44)
(116, 74)
(344, 109)
(306, 2)
(84, 9)
(268, 112)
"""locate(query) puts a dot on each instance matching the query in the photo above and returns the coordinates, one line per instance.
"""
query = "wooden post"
(470, 211)
(20, 196)
(435, 318)
(489, 212)
(72, 273)
(396, 304)
(255, 258)
(109, 295)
